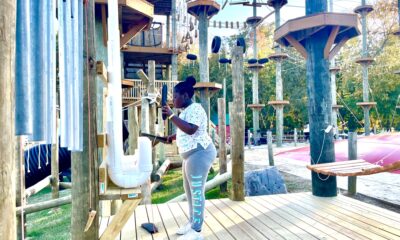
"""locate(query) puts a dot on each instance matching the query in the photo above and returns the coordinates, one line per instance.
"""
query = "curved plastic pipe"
(122, 169)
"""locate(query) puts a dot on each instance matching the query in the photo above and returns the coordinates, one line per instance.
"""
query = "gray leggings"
(195, 167)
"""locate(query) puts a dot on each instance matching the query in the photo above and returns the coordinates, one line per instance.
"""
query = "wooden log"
(352, 145)
(160, 172)
(238, 115)
(38, 187)
(270, 149)
(222, 141)
(217, 180)
(133, 127)
(20, 185)
(66, 185)
(55, 167)
(84, 165)
(7, 142)
(295, 137)
(31, 208)
(161, 147)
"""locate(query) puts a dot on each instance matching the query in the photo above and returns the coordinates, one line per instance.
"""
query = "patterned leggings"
(195, 167)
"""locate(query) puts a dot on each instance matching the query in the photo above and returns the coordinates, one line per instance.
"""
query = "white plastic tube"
(124, 171)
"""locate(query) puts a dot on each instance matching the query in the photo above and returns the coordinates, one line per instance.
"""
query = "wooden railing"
(136, 91)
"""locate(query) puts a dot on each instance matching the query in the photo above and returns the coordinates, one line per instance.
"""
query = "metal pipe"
(23, 80)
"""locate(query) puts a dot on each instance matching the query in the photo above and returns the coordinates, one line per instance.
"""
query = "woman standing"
(196, 149)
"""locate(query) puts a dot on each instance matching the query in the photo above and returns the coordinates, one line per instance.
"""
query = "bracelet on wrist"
(171, 116)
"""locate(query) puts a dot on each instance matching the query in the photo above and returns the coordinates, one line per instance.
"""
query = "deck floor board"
(285, 216)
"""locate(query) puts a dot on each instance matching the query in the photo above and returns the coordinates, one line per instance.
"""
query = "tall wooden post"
(238, 117)
(20, 185)
(319, 89)
(222, 140)
(84, 164)
(133, 126)
(231, 127)
(7, 83)
(55, 166)
(295, 137)
(352, 145)
(270, 149)
(161, 147)
(153, 108)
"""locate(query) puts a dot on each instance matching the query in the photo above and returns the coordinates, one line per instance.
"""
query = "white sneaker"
(191, 235)
(184, 229)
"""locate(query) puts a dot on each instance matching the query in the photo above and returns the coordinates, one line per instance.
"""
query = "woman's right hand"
(170, 138)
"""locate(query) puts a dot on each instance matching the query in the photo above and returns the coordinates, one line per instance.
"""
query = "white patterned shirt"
(196, 115)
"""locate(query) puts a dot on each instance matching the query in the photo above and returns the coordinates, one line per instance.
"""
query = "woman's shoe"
(191, 235)
(184, 229)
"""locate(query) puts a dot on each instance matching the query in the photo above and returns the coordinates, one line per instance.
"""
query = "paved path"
(383, 186)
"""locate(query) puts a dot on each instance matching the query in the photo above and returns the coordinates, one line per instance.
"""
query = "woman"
(196, 149)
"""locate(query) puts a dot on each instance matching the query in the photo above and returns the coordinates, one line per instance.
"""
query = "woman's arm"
(171, 138)
(186, 127)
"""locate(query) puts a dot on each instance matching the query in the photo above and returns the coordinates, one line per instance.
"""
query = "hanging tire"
(252, 61)
(216, 44)
(241, 43)
(224, 60)
(191, 56)
(263, 60)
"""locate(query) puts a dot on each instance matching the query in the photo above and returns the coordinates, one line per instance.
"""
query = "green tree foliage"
(384, 85)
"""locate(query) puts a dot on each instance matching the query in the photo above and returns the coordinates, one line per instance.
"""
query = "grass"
(56, 224)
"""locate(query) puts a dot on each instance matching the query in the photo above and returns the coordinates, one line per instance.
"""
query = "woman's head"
(183, 92)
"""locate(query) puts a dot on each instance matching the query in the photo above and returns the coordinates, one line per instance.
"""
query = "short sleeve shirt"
(196, 115)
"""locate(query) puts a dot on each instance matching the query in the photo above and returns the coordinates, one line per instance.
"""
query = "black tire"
(263, 60)
(191, 56)
(241, 43)
(252, 61)
(216, 44)
(224, 60)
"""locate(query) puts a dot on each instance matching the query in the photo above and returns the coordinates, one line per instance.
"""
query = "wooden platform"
(286, 216)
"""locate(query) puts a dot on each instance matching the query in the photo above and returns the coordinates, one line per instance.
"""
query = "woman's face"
(179, 99)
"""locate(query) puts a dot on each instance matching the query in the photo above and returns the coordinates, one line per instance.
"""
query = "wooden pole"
(295, 137)
(319, 89)
(256, 113)
(44, 205)
(153, 108)
(232, 131)
(248, 138)
(133, 126)
(174, 57)
(203, 65)
(352, 145)
(54, 166)
(20, 185)
(161, 147)
(84, 165)
(38, 186)
(238, 115)
(222, 141)
(270, 149)
(7, 83)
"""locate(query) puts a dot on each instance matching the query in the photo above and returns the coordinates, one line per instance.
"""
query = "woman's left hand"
(166, 110)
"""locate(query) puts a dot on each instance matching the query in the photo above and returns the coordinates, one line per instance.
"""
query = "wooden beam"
(238, 118)
(44, 205)
(133, 126)
(84, 165)
(143, 77)
(155, 50)
(337, 48)
(101, 70)
(330, 41)
(101, 140)
(37, 187)
(104, 24)
(222, 141)
(297, 46)
(120, 219)
(126, 37)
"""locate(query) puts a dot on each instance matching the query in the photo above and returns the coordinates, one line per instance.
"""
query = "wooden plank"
(344, 167)
(101, 140)
(312, 226)
(118, 237)
(297, 46)
(338, 163)
(228, 224)
(300, 233)
(141, 217)
(155, 217)
(266, 220)
(101, 71)
(129, 231)
(253, 222)
(103, 178)
(331, 40)
(154, 50)
(383, 224)
(319, 216)
(206, 230)
(350, 223)
(126, 37)
(168, 219)
(237, 219)
(337, 47)
(119, 220)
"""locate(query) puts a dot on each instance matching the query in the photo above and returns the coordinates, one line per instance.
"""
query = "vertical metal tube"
(62, 72)
(23, 79)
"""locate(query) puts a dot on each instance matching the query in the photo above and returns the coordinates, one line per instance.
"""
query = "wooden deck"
(286, 216)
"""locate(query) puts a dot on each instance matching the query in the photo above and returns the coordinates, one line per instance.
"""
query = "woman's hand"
(171, 138)
(166, 110)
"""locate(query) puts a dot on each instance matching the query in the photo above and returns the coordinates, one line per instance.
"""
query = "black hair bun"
(191, 81)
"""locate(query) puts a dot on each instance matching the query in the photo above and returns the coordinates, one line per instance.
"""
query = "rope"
(39, 167)
(89, 105)
(319, 157)
(347, 107)
(47, 155)
(394, 112)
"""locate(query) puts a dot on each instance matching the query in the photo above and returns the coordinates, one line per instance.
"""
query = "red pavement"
(380, 149)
